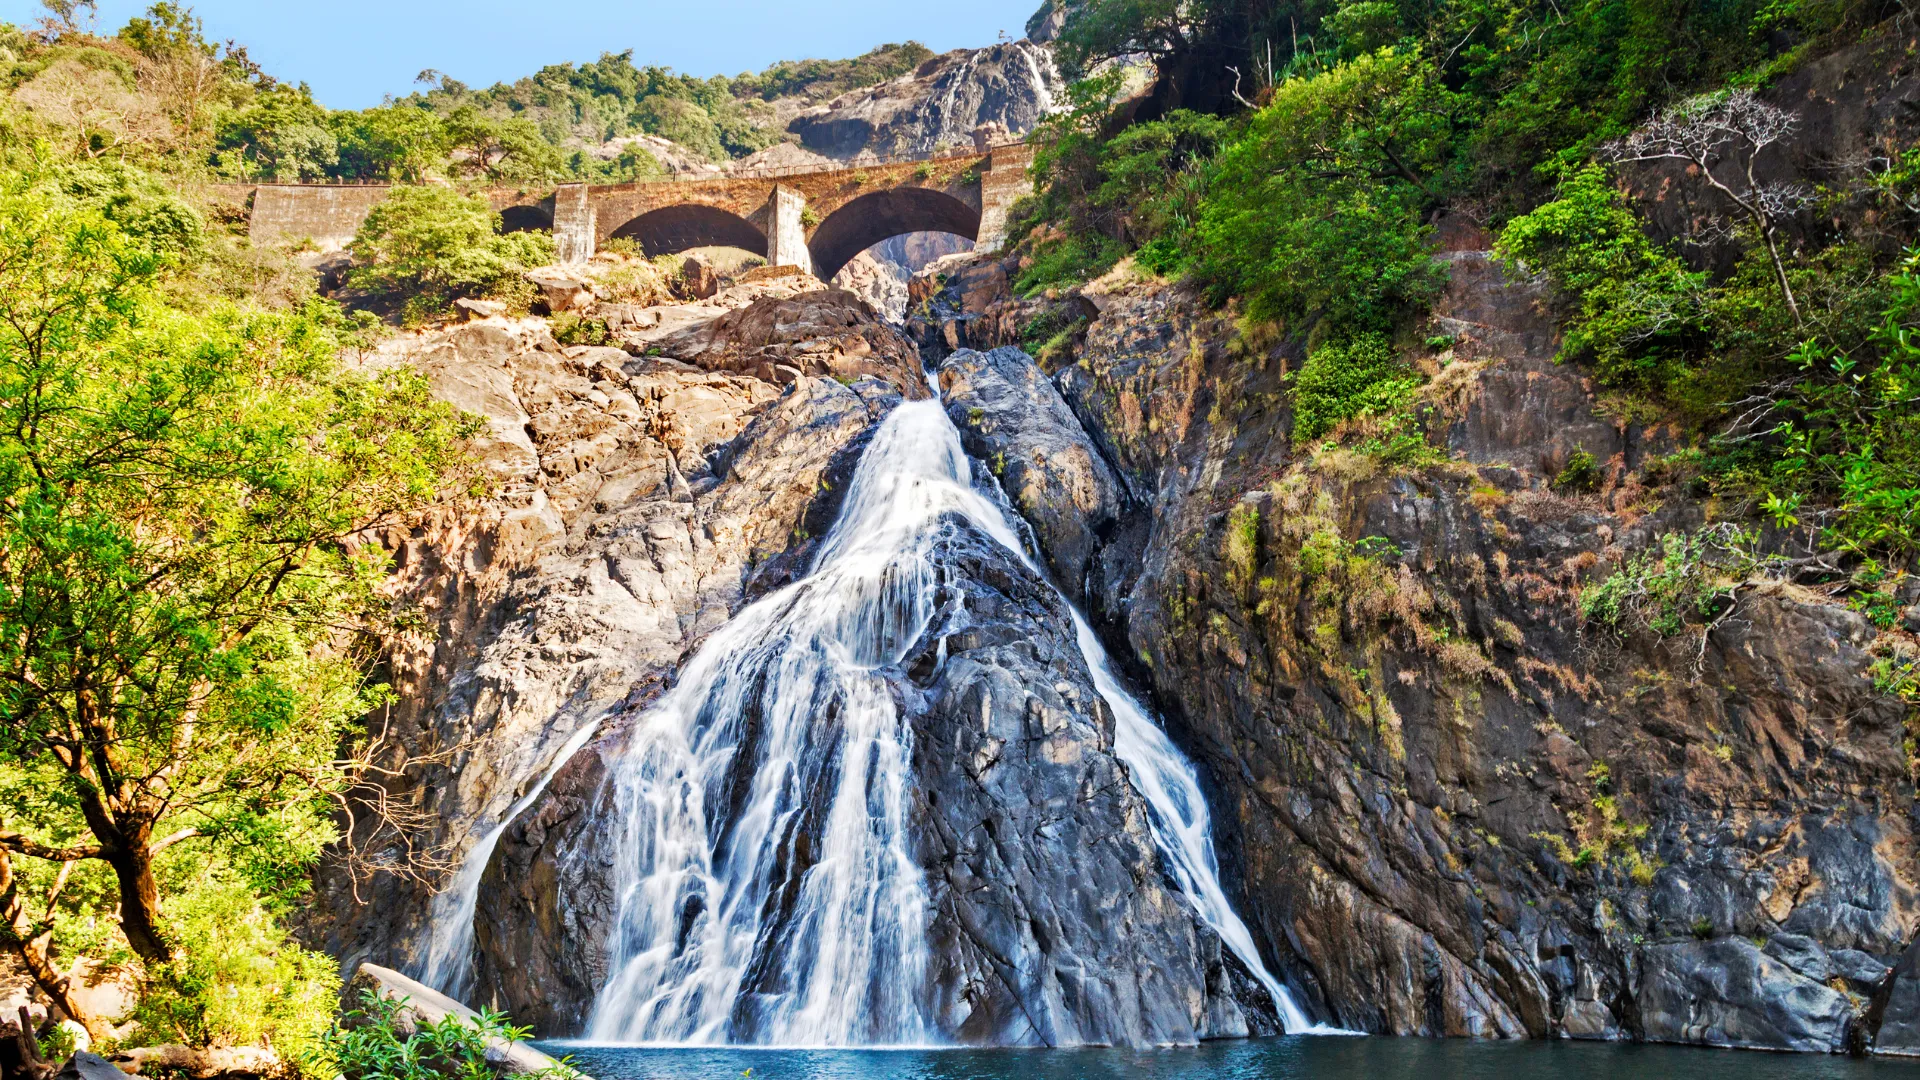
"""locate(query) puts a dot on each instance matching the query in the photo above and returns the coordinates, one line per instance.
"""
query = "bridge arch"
(878, 215)
(673, 229)
(526, 219)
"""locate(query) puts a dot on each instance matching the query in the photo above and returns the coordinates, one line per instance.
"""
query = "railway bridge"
(814, 218)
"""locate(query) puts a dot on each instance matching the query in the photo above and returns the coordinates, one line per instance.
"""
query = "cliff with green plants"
(1515, 410)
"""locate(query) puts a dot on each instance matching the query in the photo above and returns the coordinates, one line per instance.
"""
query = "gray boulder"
(1011, 416)
(1899, 1032)
(1726, 992)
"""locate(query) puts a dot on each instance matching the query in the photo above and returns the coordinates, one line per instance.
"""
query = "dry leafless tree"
(1722, 136)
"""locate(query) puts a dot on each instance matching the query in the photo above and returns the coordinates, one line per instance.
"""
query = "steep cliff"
(1451, 803)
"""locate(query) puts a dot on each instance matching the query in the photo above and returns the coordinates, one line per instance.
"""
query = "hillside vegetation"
(1329, 139)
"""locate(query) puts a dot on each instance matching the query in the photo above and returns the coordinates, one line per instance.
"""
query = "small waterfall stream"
(766, 891)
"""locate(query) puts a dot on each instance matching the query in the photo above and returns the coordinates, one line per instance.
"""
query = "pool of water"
(1311, 1058)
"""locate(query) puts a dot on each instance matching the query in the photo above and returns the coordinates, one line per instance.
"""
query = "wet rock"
(1899, 1009)
(1011, 417)
(636, 504)
(1728, 993)
(1054, 923)
(686, 561)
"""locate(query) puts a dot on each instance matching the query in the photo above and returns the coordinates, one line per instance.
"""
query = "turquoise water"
(1303, 1057)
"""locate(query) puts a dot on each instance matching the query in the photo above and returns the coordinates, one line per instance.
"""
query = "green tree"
(182, 604)
(427, 245)
(1318, 210)
(502, 150)
(283, 135)
(403, 143)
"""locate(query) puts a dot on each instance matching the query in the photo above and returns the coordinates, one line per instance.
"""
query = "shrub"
(1581, 474)
(570, 329)
(1344, 380)
(1317, 211)
(427, 245)
(368, 1045)
(235, 978)
(1639, 310)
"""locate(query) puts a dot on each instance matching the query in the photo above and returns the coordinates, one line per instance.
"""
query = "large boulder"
(830, 332)
(1011, 417)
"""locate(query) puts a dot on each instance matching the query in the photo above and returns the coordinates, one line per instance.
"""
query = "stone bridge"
(815, 219)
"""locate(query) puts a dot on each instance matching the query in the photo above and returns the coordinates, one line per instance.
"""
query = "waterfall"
(766, 892)
(448, 963)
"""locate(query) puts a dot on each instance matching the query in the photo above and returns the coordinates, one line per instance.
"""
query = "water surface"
(1293, 1057)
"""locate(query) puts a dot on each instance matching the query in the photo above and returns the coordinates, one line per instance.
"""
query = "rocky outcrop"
(832, 333)
(1050, 922)
(546, 904)
(1449, 803)
(1011, 417)
(1054, 924)
(1005, 88)
(631, 505)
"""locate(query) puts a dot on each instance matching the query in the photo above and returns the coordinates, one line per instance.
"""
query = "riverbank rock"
(424, 1005)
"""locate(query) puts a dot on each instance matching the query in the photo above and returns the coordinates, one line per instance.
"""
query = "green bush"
(570, 329)
(235, 979)
(1639, 311)
(1318, 210)
(1348, 379)
(425, 246)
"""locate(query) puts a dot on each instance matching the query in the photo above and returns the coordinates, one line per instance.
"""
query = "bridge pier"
(1005, 180)
(573, 224)
(787, 229)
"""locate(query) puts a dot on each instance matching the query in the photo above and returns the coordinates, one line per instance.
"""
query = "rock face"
(831, 333)
(1054, 924)
(879, 275)
(1449, 804)
(1010, 85)
(546, 905)
(635, 504)
(1011, 417)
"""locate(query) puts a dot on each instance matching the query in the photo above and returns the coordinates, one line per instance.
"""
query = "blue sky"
(353, 52)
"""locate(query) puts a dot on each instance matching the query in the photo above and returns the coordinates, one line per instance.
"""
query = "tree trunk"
(132, 864)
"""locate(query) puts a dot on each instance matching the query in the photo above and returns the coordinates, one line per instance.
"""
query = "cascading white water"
(769, 895)
(766, 892)
(448, 963)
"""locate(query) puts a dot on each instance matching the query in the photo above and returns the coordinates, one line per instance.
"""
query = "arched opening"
(526, 219)
(879, 273)
(673, 229)
(878, 215)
